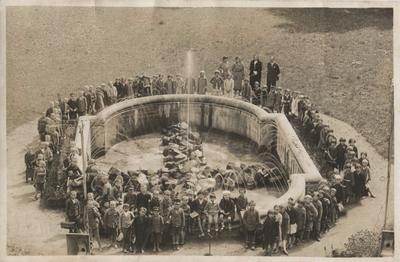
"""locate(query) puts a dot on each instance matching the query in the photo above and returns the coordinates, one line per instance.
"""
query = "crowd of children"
(166, 218)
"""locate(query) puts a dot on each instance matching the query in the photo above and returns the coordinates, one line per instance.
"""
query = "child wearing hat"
(227, 210)
(251, 219)
(157, 224)
(125, 225)
(111, 222)
(271, 232)
(177, 222)
(212, 210)
(198, 211)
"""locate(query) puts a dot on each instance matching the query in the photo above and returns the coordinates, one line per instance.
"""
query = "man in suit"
(255, 70)
(273, 72)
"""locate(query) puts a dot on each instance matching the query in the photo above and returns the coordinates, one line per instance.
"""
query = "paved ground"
(41, 234)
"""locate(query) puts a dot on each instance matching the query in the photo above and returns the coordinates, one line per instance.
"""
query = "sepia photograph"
(199, 131)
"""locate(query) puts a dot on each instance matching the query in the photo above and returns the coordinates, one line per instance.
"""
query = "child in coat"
(212, 210)
(157, 224)
(177, 221)
(227, 210)
(271, 232)
(125, 225)
(251, 219)
(111, 222)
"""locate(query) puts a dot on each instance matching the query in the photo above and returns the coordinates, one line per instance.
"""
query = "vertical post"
(81, 127)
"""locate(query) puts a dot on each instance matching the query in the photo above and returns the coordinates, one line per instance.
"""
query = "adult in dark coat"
(143, 198)
(273, 72)
(255, 70)
(73, 107)
(82, 104)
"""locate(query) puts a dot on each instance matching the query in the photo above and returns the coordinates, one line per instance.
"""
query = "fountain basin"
(270, 132)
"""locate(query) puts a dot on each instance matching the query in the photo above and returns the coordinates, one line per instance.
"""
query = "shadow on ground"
(324, 20)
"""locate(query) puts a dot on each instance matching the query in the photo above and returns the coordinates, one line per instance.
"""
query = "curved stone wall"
(272, 132)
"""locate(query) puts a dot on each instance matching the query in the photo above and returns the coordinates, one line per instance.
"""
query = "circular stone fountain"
(125, 135)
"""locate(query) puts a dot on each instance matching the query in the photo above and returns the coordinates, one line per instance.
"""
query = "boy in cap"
(157, 224)
(198, 212)
(212, 210)
(271, 232)
(111, 222)
(251, 219)
(125, 225)
(177, 222)
(227, 209)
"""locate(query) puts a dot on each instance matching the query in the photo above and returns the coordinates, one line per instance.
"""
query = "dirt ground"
(341, 58)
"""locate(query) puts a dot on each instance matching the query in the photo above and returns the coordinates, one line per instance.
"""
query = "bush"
(364, 243)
